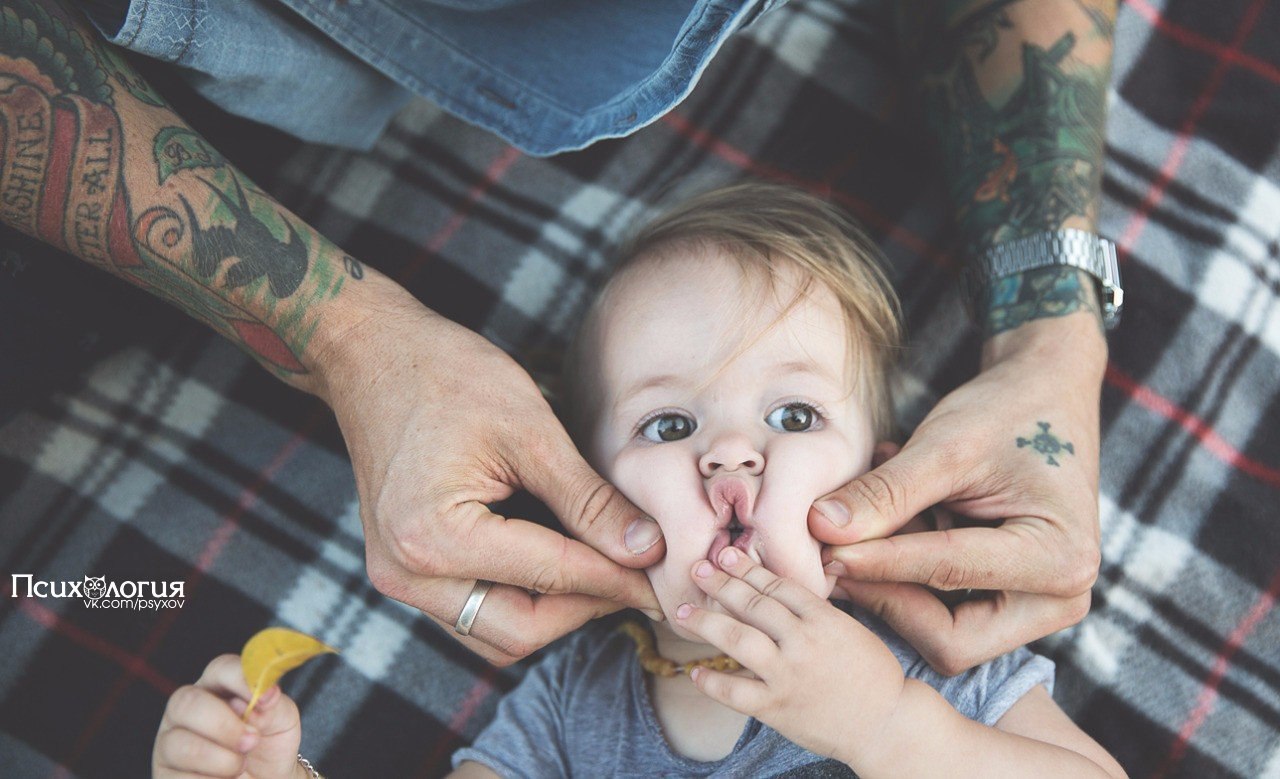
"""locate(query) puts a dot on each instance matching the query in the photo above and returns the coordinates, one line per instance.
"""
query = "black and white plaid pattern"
(174, 457)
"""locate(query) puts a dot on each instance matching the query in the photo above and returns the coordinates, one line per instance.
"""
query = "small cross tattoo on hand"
(1047, 444)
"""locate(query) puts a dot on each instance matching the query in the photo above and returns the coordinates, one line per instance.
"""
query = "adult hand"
(439, 422)
(1017, 446)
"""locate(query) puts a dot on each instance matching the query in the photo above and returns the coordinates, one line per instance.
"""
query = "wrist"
(1069, 345)
(921, 714)
(351, 333)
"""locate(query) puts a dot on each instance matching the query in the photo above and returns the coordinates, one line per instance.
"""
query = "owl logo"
(95, 586)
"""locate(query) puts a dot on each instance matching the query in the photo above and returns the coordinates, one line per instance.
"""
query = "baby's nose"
(730, 454)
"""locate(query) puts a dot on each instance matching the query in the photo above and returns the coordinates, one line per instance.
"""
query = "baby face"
(723, 417)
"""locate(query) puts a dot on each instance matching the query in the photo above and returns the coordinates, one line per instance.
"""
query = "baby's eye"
(668, 427)
(793, 418)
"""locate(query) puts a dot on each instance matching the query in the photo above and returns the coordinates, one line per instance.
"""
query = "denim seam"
(138, 26)
(198, 12)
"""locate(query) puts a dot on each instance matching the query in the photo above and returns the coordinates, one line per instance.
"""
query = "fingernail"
(729, 556)
(836, 568)
(695, 673)
(835, 512)
(248, 740)
(683, 611)
(703, 570)
(641, 535)
(654, 614)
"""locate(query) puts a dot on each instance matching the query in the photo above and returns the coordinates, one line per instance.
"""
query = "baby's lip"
(731, 496)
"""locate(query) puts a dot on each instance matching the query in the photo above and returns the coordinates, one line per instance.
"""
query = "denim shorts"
(546, 75)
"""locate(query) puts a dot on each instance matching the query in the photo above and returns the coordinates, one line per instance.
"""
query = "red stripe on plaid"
(492, 175)
(204, 562)
(705, 140)
(1197, 427)
(135, 665)
(1194, 40)
(1209, 692)
(1182, 142)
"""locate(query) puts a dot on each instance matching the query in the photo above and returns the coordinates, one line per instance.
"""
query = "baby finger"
(746, 696)
(747, 645)
(180, 749)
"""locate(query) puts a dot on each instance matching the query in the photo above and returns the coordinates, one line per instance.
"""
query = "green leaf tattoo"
(1047, 444)
(177, 148)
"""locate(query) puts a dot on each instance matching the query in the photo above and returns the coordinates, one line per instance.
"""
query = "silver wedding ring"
(468, 616)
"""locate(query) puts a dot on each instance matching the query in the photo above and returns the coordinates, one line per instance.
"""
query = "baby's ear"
(883, 452)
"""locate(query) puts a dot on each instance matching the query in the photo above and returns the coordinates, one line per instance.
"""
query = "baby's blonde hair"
(767, 227)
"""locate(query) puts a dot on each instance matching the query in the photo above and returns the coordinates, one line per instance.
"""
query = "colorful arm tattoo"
(1014, 94)
(94, 162)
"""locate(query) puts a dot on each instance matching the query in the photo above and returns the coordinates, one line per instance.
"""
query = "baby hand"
(824, 681)
(201, 734)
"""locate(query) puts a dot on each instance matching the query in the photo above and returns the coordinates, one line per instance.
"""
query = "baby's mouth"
(734, 534)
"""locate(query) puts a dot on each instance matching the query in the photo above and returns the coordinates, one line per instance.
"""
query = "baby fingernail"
(703, 570)
(730, 556)
(835, 512)
(836, 568)
(684, 611)
(641, 535)
(248, 740)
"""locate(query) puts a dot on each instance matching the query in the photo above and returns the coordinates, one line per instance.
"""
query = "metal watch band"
(1076, 248)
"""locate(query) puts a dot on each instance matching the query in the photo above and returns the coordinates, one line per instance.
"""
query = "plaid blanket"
(169, 457)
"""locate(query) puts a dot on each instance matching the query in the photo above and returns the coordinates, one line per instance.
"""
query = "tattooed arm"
(438, 421)
(1013, 92)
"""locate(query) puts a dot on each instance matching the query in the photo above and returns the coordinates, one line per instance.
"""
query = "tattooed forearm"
(83, 167)
(1036, 294)
(1013, 92)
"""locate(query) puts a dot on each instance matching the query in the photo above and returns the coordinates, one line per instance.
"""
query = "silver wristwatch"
(1076, 248)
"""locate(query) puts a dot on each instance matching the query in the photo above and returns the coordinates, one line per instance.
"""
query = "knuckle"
(1083, 567)
(734, 635)
(770, 590)
(757, 602)
(184, 701)
(883, 494)
(1077, 609)
(515, 646)
(948, 575)
(950, 664)
(385, 579)
(592, 500)
(412, 546)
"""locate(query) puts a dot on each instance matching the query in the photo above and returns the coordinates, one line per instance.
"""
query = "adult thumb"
(879, 502)
(591, 508)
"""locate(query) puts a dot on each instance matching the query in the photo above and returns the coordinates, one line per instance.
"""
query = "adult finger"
(184, 750)
(470, 542)
(511, 623)
(743, 695)
(528, 555)
(200, 711)
(795, 597)
(952, 641)
(1027, 556)
(588, 506)
(745, 602)
(882, 500)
